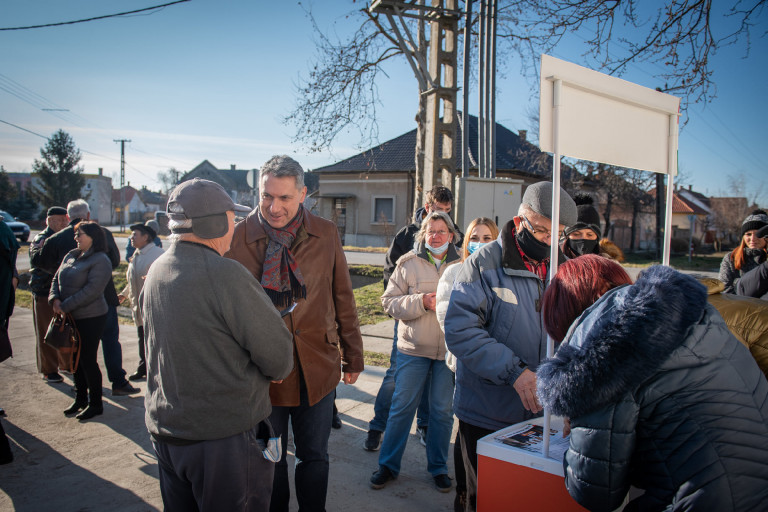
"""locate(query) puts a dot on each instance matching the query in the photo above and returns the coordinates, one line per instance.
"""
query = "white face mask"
(437, 250)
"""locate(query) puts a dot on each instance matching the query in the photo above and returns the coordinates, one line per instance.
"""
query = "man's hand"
(120, 298)
(15, 282)
(349, 377)
(525, 385)
(429, 301)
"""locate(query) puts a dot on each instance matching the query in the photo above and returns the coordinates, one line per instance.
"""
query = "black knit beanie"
(756, 220)
(587, 216)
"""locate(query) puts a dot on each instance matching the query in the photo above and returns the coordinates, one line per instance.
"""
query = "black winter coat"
(661, 397)
(40, 279)
(754, 283)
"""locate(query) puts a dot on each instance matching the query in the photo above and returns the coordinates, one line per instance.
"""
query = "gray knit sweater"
(214, 343)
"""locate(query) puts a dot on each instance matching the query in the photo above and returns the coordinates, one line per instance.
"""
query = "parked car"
(19, 229)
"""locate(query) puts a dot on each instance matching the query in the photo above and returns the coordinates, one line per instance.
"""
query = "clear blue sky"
(212, 80)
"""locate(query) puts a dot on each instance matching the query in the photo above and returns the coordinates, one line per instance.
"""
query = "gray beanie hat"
(538, 197)
(756, 220)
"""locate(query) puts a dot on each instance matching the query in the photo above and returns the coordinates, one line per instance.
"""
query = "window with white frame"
(383, 210)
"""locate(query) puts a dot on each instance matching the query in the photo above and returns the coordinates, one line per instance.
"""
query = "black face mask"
(583, 246)
(537, 251)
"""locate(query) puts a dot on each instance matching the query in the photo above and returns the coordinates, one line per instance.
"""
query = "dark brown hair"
(96, 233)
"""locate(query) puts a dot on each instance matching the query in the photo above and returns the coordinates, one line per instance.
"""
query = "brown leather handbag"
(64, 337)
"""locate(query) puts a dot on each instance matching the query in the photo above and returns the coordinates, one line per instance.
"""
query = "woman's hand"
(429, 301)
(57, 307)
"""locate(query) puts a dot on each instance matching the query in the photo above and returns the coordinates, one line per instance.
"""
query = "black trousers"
(142, 350)
(88, 374)
(470, 434)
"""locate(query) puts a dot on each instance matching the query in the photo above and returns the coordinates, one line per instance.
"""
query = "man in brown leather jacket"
(298, 259)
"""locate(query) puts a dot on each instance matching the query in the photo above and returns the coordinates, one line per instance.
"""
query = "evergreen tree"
(60, 179)
(7, 190)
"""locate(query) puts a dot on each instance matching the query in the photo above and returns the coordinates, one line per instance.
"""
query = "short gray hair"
(281, 166)
(177, 224)
(433, 216)
(78, 209)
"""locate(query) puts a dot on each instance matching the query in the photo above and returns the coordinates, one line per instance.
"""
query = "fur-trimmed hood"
(620, 341)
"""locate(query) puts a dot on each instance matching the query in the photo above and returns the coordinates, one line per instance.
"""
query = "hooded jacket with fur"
(661, 397)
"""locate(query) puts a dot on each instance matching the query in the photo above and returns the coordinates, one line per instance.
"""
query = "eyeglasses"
(540, 230)
(78, 234)
(437, 233)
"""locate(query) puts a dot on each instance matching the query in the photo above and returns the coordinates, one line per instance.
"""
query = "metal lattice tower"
(437, 81)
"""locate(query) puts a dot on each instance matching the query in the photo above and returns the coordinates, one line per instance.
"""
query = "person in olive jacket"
(660, 395)
(299, 260)
(78, 289)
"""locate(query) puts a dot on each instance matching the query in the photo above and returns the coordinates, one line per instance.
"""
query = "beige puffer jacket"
(418, 334)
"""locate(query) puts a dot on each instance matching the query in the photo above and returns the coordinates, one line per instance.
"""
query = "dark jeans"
(383, 402)
(311, 428)
(223, 474)
(142, 361)
(88, 375)
(112, 351)
(470, 434)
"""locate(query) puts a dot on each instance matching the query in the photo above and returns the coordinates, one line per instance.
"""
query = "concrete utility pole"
(437, 81)
(122, 181)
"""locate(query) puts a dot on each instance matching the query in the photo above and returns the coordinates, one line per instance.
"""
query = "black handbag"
(64, 337)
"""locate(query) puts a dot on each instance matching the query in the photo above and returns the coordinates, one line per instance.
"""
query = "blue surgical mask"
(473, 246)
(437, 250)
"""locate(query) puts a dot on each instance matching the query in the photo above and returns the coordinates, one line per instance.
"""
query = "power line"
(42, 103)
(23, 129)
(95, 17)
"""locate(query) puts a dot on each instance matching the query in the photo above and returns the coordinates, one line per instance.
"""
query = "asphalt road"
(353, 258)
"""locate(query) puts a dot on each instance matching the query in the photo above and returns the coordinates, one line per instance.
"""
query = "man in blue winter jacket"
(493, 324)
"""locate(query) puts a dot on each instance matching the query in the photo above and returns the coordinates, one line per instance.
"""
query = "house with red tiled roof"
(127, 206)
(691, 214)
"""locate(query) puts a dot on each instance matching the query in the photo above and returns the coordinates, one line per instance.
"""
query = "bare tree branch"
(679, 37)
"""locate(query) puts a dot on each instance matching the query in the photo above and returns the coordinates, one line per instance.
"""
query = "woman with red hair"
(749, 254)
(659, 393)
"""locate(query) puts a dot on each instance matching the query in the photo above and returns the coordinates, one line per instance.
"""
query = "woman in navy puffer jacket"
(659, 394)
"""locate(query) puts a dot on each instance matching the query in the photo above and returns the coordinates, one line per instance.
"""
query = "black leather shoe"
(380, 478)
(75, 408)
(90, 412)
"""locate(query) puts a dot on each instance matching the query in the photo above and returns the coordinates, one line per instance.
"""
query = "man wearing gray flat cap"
(493, 324)
(209, 364)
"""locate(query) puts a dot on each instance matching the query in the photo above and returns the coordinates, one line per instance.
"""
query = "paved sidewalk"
(108, 463)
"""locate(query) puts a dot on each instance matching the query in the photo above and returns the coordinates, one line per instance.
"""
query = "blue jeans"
(311, 428)
(412, 375)
(384, 397)
(112, 351)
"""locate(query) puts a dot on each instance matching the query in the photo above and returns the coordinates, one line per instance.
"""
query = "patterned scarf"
(281, 277)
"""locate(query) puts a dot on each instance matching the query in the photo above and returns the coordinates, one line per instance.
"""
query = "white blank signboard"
(606, 119)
